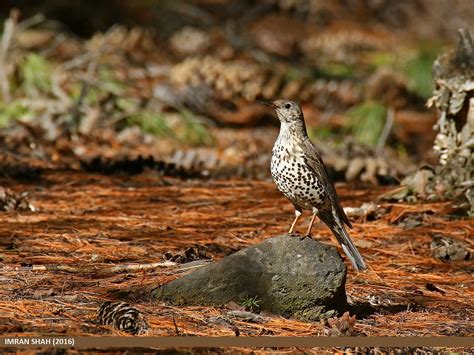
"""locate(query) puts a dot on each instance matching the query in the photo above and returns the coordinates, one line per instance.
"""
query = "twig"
(139, 267)
(94, 269)
(31, 22)
(57, 90)
(99, 269)
(8, 33)
(57, 41)
(91, 69)
(76, 61)
(386, 130)
(176, 327)
(11, 27)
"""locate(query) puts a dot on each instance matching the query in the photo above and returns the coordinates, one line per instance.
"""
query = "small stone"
(304, 287)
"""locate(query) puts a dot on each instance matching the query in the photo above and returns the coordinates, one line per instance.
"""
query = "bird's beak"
(268, 103)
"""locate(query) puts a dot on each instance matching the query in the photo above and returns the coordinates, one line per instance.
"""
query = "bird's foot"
(306, 236)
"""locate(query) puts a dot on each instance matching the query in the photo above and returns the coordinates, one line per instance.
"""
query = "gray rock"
(296, 278)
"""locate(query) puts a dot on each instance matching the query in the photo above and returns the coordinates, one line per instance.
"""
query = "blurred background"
(115, 86)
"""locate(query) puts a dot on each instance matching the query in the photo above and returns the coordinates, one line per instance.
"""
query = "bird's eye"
(287, 106)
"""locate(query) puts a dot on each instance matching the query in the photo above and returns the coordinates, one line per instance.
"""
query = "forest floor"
(90, 223)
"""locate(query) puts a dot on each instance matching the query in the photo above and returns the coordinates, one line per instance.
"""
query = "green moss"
(153, 123)
(12, 111)
(193, 131)
(36, 75)
(322, 133)
(414, 62)
(335, 70)
(366, 121)
(381, 59)
(417, 69)
(109, 82)
(296, 73)
(312, 314)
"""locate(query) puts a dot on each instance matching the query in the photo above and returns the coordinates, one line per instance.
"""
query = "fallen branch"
(94, 268)
(100, 269)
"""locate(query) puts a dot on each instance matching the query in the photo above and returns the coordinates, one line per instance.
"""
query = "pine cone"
(122, 316)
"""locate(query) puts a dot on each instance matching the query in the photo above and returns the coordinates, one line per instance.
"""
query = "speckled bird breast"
(294, 178)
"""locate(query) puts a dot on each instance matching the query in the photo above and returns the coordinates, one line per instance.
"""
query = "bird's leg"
(297, 216)
(315, 213)
(308, 232)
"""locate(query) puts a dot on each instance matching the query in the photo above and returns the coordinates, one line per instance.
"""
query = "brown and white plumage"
(300, 174)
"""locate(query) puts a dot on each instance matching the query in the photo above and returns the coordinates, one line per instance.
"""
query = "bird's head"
(290, 115)
(287, 111)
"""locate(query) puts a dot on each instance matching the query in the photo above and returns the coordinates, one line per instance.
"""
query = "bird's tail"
(344, 239)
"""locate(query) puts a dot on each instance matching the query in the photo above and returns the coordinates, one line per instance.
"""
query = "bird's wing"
(316, 163)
